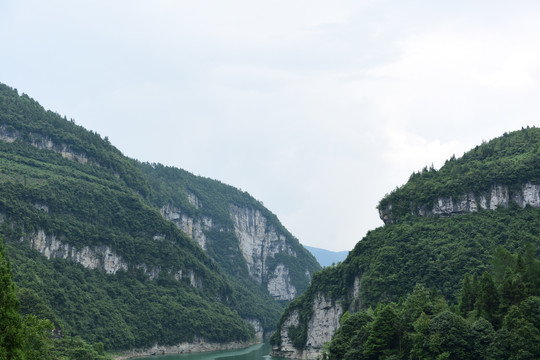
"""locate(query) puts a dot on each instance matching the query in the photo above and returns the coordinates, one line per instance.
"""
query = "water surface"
(255, 352)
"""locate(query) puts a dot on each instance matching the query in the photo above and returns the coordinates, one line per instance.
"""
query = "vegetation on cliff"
(497, 317)
(512, 159)
(72, 194)
(172, 186)
(434, 251)
(30, 337)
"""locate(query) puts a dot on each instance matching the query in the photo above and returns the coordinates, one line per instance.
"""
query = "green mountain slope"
(490, 175)
(236, 230)
(436, 250)
(91, 251)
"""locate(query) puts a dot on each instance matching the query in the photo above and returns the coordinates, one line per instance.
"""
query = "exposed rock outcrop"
(325, 320)
(97, 257)
(279, 284)
(259, 243)
(257, 326)
(198, 345)
(100, 257)
(44, 143)
(499, 195)
(194, 228)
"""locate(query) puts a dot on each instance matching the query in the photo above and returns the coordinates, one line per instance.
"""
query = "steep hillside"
(436, 250)
(246, 239)
(506, 170)
(91, 249)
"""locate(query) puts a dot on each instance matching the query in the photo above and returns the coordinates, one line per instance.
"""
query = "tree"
(488, 301)
(532, 270)
(482, 335)
(383, 334)
(11, 327)
(512, 289)
(448, 335)
(467, 296)
(502, 259)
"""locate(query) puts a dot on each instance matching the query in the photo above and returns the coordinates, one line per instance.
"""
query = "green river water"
(255, 352)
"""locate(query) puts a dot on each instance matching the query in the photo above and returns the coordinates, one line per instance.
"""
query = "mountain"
(236, 230)
(327, 257)
(130, 254)
(439, 227)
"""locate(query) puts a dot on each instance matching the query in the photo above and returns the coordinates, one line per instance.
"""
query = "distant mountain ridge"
(327, 257)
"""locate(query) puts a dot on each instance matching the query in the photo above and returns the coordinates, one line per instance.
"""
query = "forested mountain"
(100, 243)
(440, 226)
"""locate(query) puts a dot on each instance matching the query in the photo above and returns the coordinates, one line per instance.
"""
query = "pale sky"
(316, 108)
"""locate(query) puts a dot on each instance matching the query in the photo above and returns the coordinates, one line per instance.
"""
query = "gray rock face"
(196, 346)
(193, 228)
(499, 195)
(100, 257)
(325, 320)
(97, 258)
(287, 349)
(259, 243)
(279, 284)
(257, 326)
(45, 144)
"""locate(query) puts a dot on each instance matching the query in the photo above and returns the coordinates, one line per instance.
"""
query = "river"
(255, 352)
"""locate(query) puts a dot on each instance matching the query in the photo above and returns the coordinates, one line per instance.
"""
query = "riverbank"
(199, 346)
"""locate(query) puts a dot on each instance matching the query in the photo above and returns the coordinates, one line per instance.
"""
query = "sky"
(316, 108)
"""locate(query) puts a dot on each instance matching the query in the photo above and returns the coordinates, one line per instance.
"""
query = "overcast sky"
(316, 108)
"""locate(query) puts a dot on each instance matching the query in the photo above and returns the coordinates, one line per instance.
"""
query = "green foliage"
(30, 338)
(172, 186)
(447, 254)
(11, 326)
(418, 329)
(104, 200)
(513, 159)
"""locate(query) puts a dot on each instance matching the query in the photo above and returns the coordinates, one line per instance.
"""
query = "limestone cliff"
(259, 243)
(194, 228)
(499, 195)
(324, 320)
(43, 143)
(98, 257)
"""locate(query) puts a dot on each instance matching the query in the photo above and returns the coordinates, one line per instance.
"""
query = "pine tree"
(532, 270)
(467, 296)
(487, 302)
(383, 334)
(11, 327)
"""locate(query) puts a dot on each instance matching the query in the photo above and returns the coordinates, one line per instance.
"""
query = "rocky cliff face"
(194, 228)
(43, 143)
(499, 195)
(259, 243)
(98, 257)
(198, 345)
(325, 320)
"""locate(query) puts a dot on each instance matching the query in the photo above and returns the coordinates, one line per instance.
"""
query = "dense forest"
(512, 159)
(170, 186)
(497, 316)
(92, 255)
(437, 252)
(31, 337)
